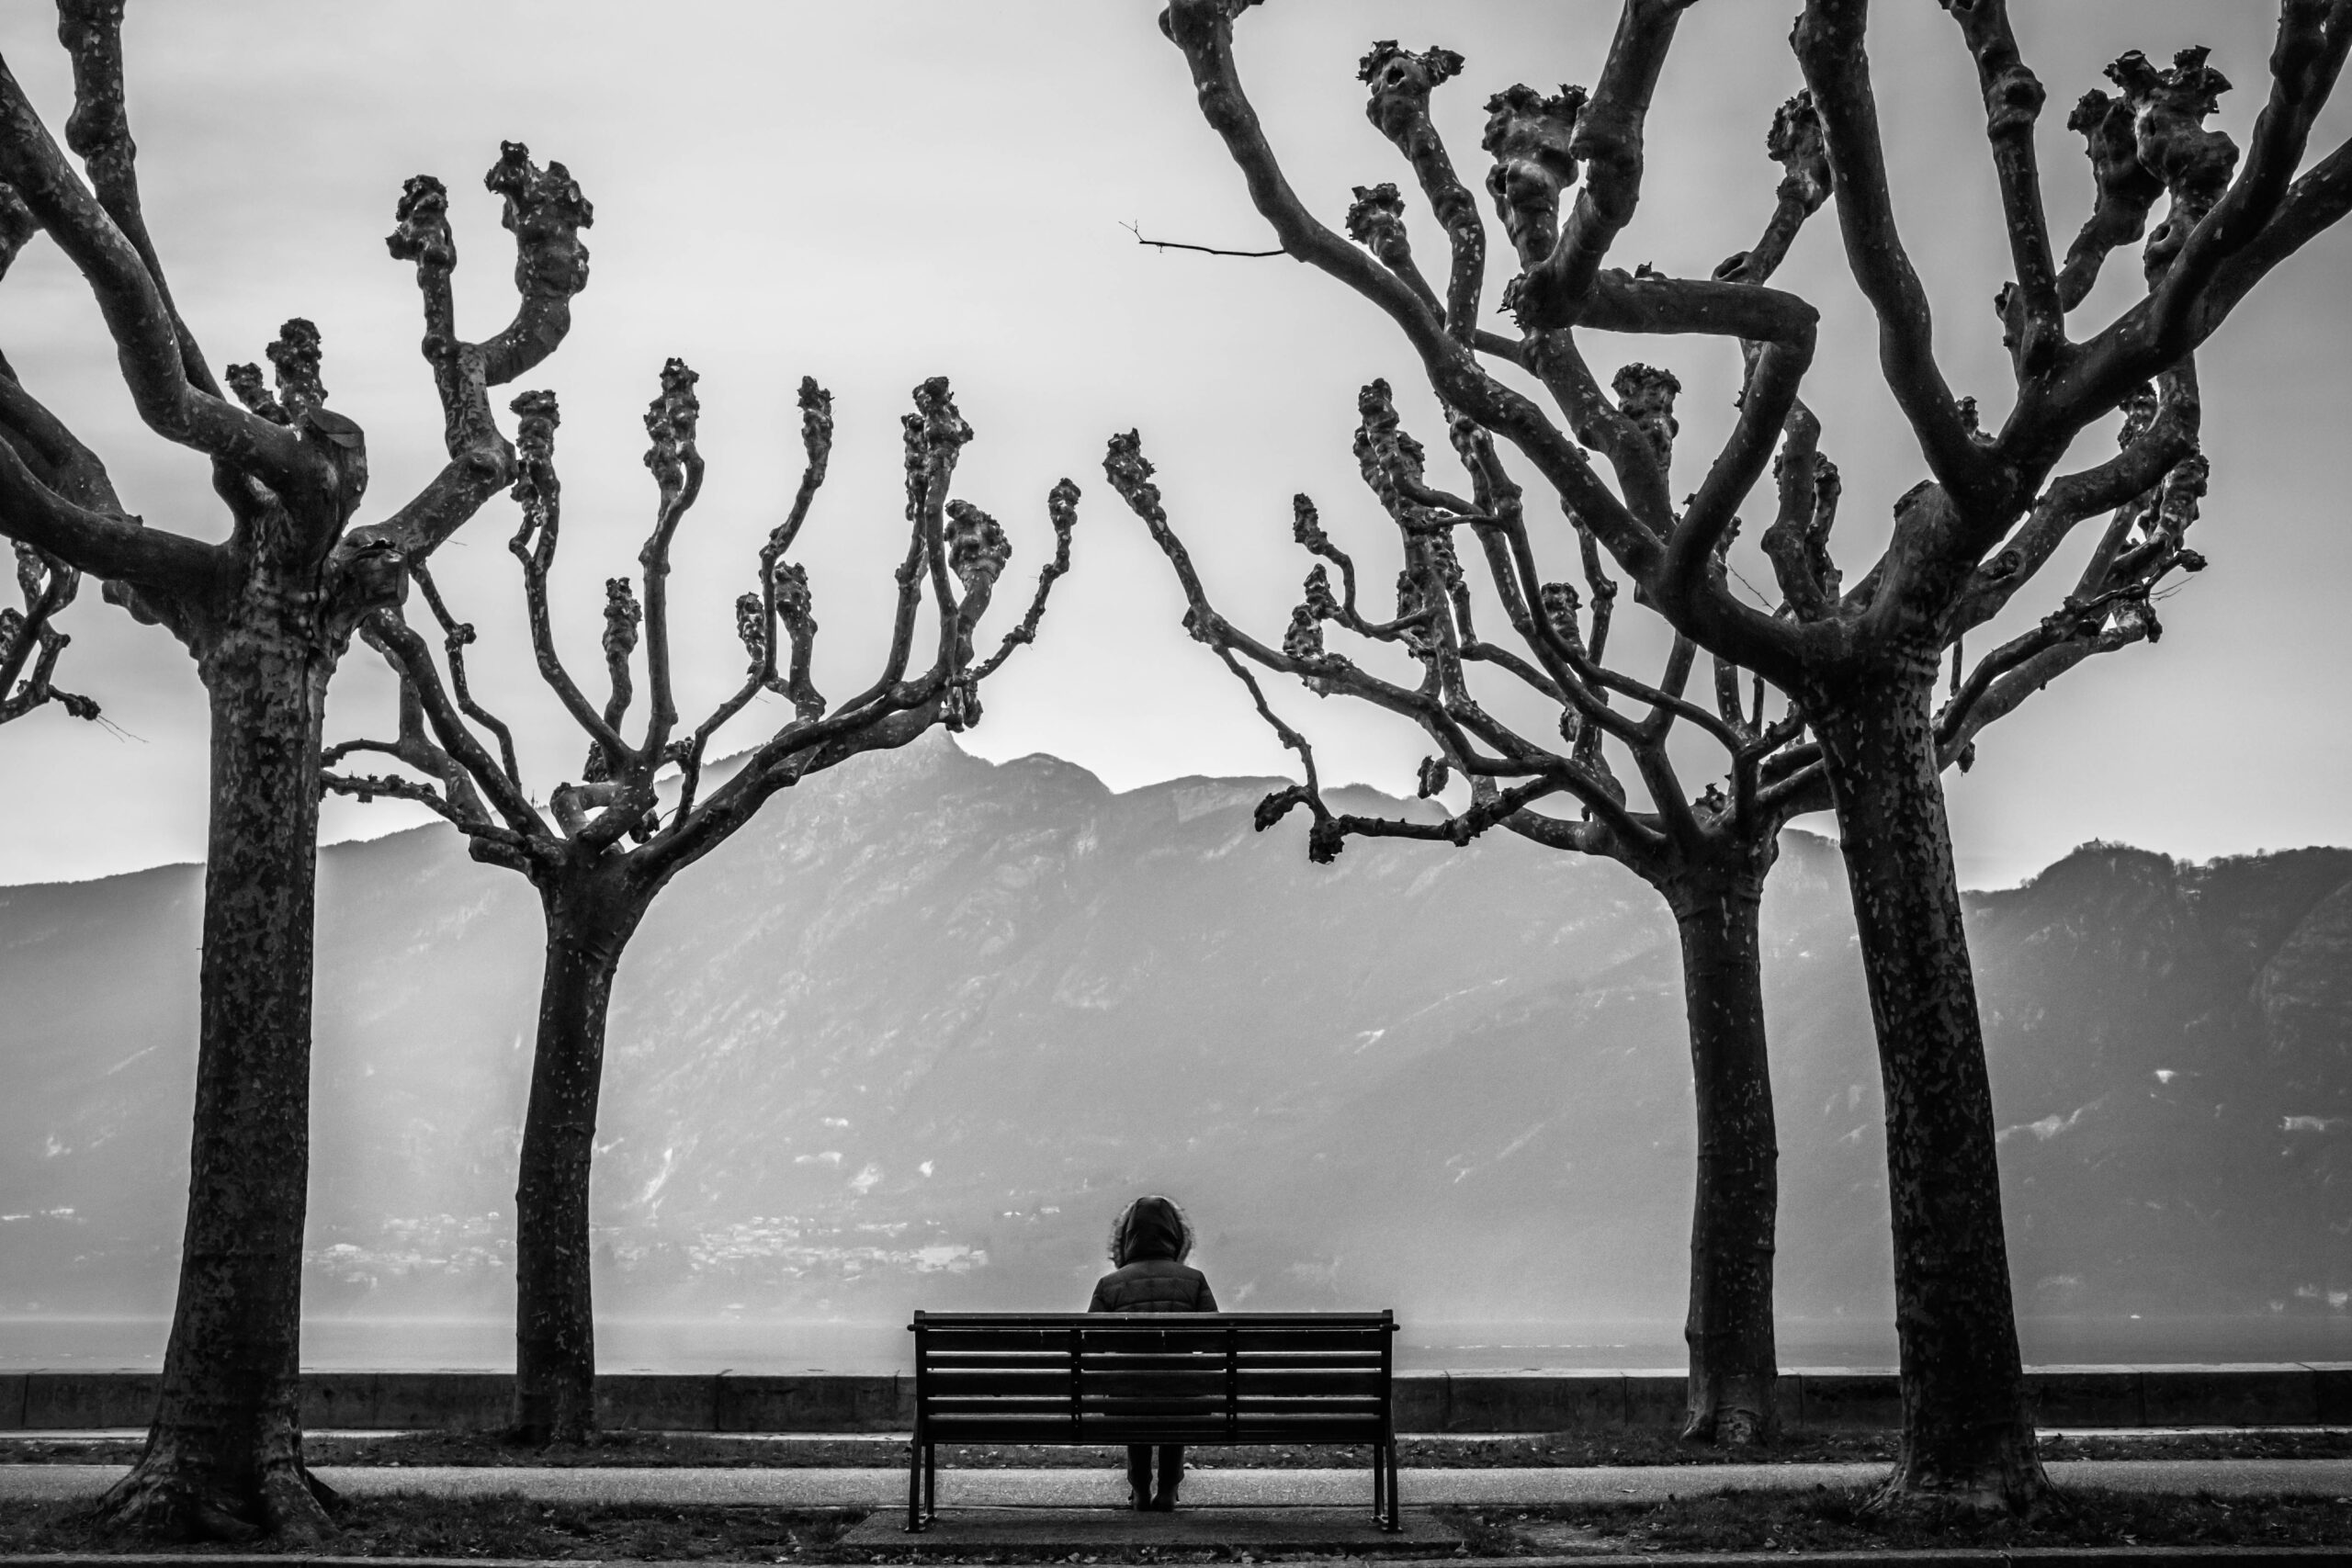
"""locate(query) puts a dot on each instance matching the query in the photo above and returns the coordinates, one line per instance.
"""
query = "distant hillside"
(913, 1037)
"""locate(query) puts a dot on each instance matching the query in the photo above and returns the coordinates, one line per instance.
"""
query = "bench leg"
(930, 1482)
(914, 1487)
(1390, 1523)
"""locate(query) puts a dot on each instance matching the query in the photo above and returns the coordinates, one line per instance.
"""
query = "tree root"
(1913, 1494)
(1727, 1424)
(1729, 1430)
(161, 1500)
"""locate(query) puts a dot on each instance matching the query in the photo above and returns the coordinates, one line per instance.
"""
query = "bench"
(1200, 1378)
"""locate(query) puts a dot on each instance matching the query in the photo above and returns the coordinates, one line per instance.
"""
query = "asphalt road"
(1202, 1487)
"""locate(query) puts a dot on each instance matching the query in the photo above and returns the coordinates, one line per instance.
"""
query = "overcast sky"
(875, 193)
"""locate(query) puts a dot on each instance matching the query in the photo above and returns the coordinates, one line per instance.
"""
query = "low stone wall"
(1819, 1400)
(1844, 1400)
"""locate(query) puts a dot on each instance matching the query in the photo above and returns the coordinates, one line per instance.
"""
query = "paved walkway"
(1034, 1535)
(1205, 1487)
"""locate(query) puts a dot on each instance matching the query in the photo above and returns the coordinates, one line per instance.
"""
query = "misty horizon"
(813, 1118)
(749, 1343)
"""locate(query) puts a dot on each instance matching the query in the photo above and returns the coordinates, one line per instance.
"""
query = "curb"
(1968, 1557)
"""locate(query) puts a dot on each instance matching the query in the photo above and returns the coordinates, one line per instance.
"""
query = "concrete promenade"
(885, 1488)
(1812, 1399)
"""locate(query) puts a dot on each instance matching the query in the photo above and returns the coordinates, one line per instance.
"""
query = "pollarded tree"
(266, 613)
(1708, 856)
(608, 843)
(1860, 662)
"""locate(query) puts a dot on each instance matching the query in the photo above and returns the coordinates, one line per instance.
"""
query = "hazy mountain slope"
(914, 1035)
(2174, 1077)
(98, 1071)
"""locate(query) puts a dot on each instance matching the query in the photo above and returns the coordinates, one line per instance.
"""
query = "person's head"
(1150, 1227)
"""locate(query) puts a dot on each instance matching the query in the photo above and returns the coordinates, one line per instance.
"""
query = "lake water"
(758, 1346)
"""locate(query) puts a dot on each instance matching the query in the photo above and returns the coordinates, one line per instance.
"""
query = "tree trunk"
(1733, 1369)
(555, 1336)
(1966, 1432)
(224, 1456)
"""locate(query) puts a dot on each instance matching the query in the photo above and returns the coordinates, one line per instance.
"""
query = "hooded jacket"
(1150, 1245)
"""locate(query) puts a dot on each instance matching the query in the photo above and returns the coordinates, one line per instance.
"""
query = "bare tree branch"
(544, 211)
(101, 544)
(1182, 245)
(1202, 30)
(2126, 189)
(2033, 318)
(783, 600)
(456, 637)
(31, 634)
(1401, 82)
(1376, 222)
(1796, 142)
(1608, 139)
(1061, 510)
(1829, 46)
(539, 490)
(675, 462)
(146, 332)
(1469, 740)
(98, 130)
(2221, 235)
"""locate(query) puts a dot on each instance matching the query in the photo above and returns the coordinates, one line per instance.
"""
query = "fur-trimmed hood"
(1150, 1227)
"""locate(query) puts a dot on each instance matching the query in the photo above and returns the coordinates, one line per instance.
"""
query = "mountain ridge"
(917, 1032)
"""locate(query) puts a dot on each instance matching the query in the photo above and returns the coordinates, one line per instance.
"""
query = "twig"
(1204, 250)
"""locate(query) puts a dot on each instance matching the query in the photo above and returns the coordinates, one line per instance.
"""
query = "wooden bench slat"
(1262, 1414)
(934, 1340)
(940, 1409)
(1104, 1362)
(1153, 1341)
(1207, 1407)
(1120, 1410)
(1046, 1382)
(1210, 1385)
(1059, 1428)
(1195, 1338)
(1062, 1320)
(1247, 1385)
(1046, 1432)
(1305, 1339)
(981, 1385)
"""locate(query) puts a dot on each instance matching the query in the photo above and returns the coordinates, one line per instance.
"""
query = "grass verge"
(1821, 1521)
(1832, 1520)
(495, 1526)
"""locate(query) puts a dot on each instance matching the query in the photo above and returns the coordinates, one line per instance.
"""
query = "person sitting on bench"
(1148, 1246)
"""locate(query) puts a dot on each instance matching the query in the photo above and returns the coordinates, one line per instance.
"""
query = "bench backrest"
(1153, 1377)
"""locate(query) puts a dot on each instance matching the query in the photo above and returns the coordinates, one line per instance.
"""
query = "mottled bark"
(1966, 1431)
(588, 923)
(1733, 1367)
(225, 1455)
